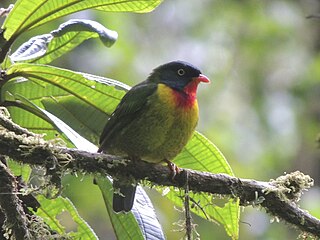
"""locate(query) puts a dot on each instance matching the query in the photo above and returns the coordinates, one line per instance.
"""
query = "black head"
(176, 74)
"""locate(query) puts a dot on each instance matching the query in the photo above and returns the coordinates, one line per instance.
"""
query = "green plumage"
(148, 123)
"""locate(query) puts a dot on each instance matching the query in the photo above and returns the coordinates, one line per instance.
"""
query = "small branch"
(187, 208)
(5, 11)
(313, 16)
(11, 206)
(278, 197)
(11, 126)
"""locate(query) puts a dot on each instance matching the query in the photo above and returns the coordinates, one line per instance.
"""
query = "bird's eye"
(181, 72)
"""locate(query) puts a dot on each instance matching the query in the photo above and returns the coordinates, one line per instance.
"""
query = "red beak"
(202, 78)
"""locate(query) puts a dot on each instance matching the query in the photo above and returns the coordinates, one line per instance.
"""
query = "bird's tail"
(123, 197)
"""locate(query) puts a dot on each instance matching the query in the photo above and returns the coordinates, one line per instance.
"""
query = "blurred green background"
(262, 109)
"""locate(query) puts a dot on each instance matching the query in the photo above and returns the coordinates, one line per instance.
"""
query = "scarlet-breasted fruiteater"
(153, 121)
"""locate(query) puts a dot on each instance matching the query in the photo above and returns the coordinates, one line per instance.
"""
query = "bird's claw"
(173, 168)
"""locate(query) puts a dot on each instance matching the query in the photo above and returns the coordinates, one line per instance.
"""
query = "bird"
(153, 122)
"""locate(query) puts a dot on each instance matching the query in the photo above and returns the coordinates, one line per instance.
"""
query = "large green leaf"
(71, 82)
(47, 47)
(28, 14)
(200, 154)
(84, 101)
(13, 92)
(72, 110)
(52, 208)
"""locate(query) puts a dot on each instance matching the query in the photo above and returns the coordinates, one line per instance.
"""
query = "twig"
(313, 16)
(187, 207)
(11, 126)
(5, 11)
(278, 199)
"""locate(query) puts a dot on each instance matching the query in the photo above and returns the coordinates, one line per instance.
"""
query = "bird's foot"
(173, 168)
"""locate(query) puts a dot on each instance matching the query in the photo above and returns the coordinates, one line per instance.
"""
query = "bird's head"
(179, 75)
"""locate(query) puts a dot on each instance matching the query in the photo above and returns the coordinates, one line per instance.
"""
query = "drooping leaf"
(124, 225)
(106, 36)
(140, 223)
(52, 208)
(78, 141)
(47, 47)
(70, 109)
(34, 48)
(29, 14)
(145, 214)
(26, 87)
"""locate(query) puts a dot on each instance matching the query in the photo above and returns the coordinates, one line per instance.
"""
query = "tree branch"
(278, 196)
(11, 126)
(15, 217)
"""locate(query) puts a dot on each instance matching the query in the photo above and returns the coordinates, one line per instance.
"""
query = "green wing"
(127, 110)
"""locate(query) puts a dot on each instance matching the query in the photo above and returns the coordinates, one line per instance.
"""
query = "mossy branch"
(279, 197)
(10, 204)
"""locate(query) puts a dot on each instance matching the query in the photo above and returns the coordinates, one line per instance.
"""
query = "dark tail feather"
(123, 197)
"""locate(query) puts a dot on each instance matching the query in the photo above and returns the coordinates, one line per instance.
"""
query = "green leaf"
(71, 110)
(74, 93)
(17, 94)
(52, 208)
(106, 36)
(78, 141)
(29, 14)
(71, 83)
(47, 47)
(124, 225)
(22, 170)
(34, 48)
(202, 155)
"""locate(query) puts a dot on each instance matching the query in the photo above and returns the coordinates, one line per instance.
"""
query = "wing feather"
(129, 107)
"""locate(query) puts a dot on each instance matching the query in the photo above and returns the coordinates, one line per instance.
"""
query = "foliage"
(52, 101)
(51, 209)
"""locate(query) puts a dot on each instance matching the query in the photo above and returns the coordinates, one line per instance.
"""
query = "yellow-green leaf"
(51, 208)
(202, 155)
(27, 14)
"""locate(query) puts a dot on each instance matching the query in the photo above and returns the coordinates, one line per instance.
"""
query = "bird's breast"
(183, 109)
(177, 100)
(176, 121)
